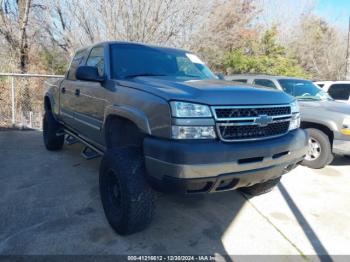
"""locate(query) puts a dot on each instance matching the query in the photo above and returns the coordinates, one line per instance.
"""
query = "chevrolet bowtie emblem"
(263, 120)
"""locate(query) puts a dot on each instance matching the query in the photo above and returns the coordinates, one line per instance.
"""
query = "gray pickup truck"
(161, 119)
(326, 120)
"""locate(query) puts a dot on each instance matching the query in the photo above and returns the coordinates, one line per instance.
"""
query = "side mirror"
(220, 76)
(88, 73)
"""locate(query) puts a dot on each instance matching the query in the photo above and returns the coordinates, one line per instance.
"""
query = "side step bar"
(90, 151)
(71, 140)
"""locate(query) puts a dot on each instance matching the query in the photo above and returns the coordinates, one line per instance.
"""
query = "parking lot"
(50, 205)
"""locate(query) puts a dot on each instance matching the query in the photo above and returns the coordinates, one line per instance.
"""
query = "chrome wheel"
(314, 150)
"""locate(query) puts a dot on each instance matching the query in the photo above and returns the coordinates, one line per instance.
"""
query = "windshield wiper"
(192, 76)
(308, 98)
(144, 74)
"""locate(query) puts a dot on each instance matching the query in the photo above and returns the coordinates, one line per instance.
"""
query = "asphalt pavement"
(50, 205)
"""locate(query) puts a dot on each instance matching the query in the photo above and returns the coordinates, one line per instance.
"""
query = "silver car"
(326, 120)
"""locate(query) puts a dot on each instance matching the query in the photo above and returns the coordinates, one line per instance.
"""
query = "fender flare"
(49, 96)
(332, 126)
(134, 115)
(52, 104)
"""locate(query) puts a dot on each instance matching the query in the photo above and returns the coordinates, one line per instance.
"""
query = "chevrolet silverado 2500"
(162, 120)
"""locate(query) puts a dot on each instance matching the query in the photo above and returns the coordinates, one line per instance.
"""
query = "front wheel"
(319, 150)
(127, 199)
(261, 188)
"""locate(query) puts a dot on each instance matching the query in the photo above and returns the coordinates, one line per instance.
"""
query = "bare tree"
(14, 23)
(283, 14)
(320, 48)
(75, 23)
(228, 26)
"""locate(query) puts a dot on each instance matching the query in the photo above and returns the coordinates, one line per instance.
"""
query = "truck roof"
(133, 44)
(333, 82)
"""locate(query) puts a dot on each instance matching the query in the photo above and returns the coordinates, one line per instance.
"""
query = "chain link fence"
(21, 99)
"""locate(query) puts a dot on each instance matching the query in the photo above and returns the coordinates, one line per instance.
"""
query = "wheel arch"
(324, 128)
(124, 127)
(47, 103)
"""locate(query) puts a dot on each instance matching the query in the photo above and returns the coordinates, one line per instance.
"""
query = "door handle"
(63, 90)
(77, 92)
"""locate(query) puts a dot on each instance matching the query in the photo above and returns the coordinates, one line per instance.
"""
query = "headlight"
(184, 109)
(295, 110)
(295, 122)
(193, 132)
(346, 127)
(295, 107)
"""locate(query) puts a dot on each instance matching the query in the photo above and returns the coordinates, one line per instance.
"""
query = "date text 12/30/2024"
(172, 258)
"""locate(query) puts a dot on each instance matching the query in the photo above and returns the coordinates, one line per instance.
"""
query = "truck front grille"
(253, 131)
(251, 112)
(239, 123)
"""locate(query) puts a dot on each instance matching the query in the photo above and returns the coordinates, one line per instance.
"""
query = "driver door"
(90, 109)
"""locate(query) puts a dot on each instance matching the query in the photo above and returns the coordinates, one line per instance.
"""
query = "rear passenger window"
(264, 82)
(240, 80)
(76, 61)
(340, 91)
(96, 59)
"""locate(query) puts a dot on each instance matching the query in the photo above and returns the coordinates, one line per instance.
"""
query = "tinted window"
(340, 91)
(96, 59)
(303, 89)
(320, 85)
(240, 80)
(186, 67)
(76, 61)
(264, 82)
(137, 60)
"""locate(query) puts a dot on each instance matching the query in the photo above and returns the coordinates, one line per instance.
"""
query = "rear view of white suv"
(338, 90)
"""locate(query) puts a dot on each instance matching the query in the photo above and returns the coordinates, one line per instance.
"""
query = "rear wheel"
(127, 199)
(51, 128)
(261, 188)
(319, 151)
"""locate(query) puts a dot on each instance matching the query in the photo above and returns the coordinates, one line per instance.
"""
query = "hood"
(211, 92)
(326, 105)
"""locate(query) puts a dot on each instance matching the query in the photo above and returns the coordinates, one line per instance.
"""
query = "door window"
(96, 59)
(340, 91)
(76, 61)
(265, 82)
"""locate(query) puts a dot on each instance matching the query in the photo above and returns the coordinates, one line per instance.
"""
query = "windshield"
(303, 89)
(130, 60)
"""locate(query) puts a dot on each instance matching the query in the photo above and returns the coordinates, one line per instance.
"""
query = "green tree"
(264, 56)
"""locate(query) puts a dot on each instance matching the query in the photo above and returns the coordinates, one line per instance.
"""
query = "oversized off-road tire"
(261, 188)
(320, 150)
(127, 199)
(51, 128)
